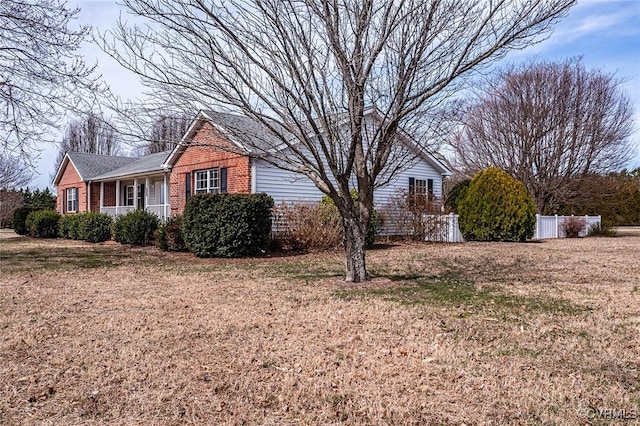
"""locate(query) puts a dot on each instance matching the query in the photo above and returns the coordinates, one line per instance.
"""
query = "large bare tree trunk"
(354, 249)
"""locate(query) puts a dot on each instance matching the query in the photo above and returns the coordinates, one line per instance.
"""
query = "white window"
(160, 195)
(420, 187)
(207, 181)
(128, 195)
(72, 199)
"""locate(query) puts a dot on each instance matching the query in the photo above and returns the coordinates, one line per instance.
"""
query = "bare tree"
(13, 172)
(308, 71)
(166, 133)
(42, 74)
(92, 134)
(546, 124)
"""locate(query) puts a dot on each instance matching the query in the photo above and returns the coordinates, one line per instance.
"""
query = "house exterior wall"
(420, 170)
(71, 179)
(286, 186)
(109, 199)
(210, 149)
(283, 185)
(95, 197)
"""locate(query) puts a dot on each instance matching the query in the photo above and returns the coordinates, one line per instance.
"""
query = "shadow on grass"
(59, 258)
(454, 290)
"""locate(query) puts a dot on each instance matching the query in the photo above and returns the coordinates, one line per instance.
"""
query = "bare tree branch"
(42, 74)
(546, 124)
(308, 71)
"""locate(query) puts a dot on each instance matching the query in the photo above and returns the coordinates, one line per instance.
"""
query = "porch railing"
(161, 210)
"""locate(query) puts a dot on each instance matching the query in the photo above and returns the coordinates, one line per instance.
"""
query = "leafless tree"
(546, 124)
(308, 71)
(13, 172)
(166, 133)
(92, 134)
(42, 73)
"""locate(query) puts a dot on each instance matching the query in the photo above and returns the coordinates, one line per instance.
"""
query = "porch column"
(101, 196)
(117, 196)
(166, 203)
(135, 193)
(146, 192)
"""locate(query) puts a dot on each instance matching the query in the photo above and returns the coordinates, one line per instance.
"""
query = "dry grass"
(445, 334)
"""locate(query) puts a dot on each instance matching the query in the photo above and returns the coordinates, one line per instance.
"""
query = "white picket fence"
(444, 228)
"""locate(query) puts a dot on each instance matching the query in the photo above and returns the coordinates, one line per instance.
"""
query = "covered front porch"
(149, 192)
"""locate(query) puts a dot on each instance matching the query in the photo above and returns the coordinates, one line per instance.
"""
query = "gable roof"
(245, 132)
(89, 166)
(145, 164)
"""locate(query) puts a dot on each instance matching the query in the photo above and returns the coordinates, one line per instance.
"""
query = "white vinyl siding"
(421, 170)
(286, 186)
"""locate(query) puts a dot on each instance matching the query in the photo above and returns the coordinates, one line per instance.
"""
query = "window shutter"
(412, 185)
(64, 201)
(430, 186)
(223, 180)
(187, 186)
(77, 191)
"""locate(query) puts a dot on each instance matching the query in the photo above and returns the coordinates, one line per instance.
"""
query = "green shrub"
(136, 227)
(43, 223)
(169, 236)
(227, 225)
(69, 226)
(496, 207)
(20, 219)
(456, 194)
(94, 227)
(601, 229)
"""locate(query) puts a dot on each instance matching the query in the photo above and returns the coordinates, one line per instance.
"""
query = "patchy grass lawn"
(495, 333)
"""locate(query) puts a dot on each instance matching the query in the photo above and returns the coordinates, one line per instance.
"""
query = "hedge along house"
(217, 154)
(113, 185)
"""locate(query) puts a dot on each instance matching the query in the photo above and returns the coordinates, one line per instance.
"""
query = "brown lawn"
(494, 333)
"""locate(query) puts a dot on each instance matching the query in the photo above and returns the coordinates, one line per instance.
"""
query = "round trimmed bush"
(227, 225)
(137, 227)
(69, 226)
(496, 207)
(94, 227)
(43, 223)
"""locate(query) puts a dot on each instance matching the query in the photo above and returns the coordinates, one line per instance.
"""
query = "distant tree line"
(12, 199)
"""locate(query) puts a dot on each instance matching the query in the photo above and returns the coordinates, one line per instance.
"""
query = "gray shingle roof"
(146, 164)
(244, 130)
(92, 165)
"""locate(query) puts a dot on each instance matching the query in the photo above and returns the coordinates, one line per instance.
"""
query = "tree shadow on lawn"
(61, 258)
(453, 289)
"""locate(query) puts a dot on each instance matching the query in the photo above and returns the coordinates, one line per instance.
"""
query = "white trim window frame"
(72, 200)
(207, 181)
(128, 195)
(420, 187)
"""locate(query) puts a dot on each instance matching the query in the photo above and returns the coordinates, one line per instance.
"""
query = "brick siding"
(210, 149)
(71, 179)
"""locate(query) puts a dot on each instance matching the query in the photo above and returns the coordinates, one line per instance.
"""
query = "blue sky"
(606, 33)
